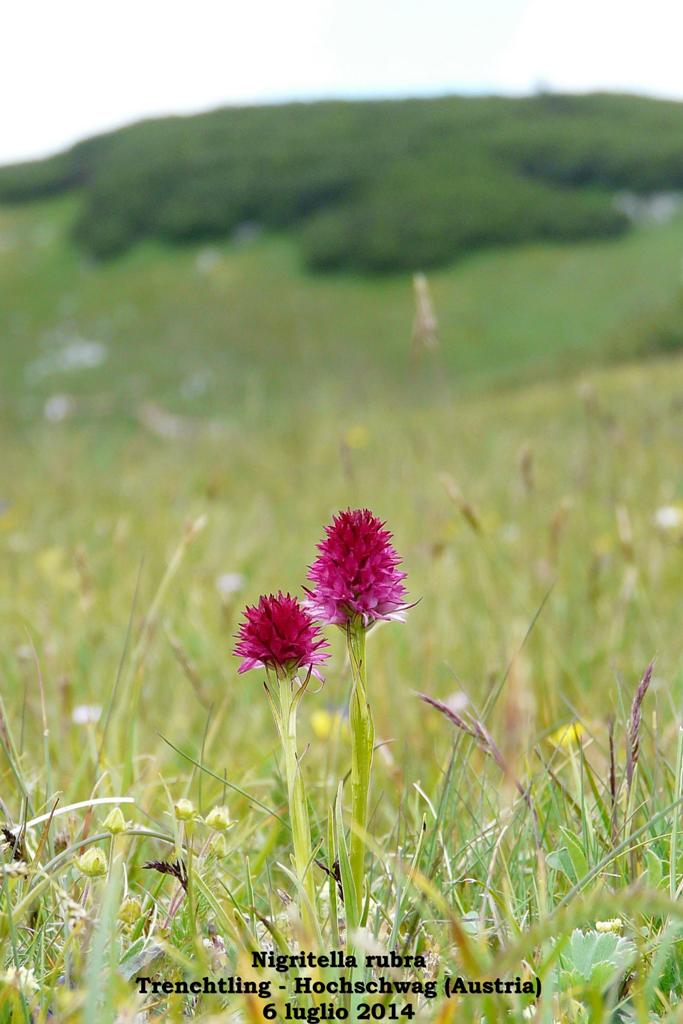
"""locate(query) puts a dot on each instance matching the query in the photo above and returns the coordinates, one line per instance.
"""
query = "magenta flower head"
(280, 633)
(356, 574)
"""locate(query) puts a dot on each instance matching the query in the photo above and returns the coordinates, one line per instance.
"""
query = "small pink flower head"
(356, 572)
(279, 633)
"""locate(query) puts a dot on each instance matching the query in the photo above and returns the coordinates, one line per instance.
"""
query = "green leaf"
(141, 962)
(595, 958)
(576, 853)
(348, 886)
(559, 860)
(654, 871)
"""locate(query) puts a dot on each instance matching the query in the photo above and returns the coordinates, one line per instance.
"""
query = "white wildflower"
(86, 714)
(206, 260)
(79, 354)
(22, 978)
(669, 517)
(229, 583)
(58, 408)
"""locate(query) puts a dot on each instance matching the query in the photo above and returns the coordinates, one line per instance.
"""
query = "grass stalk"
(362, 743)
(285, 714)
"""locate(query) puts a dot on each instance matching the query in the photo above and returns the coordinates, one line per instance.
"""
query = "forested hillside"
(369, 186)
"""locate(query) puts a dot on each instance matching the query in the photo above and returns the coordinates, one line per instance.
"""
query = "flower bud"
(184, 810)
(613, 925)
(92, 863)
(115, 822)
(130, 910)
(219, 819)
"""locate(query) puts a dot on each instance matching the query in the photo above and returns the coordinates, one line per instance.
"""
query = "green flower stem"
(362, 743)
(298, 807)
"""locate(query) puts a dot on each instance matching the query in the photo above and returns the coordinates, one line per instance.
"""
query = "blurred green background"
(243, 262)
(171, 346)
(215, 332)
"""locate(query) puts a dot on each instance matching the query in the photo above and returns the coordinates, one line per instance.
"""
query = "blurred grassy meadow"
(176, 427)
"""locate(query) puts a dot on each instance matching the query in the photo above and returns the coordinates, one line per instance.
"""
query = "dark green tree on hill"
(374, 186)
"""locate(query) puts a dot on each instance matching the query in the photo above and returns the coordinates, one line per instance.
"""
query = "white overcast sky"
(75, 67)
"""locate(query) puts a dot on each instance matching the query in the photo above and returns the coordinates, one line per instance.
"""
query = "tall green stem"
(362, 743)
(298, 808)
